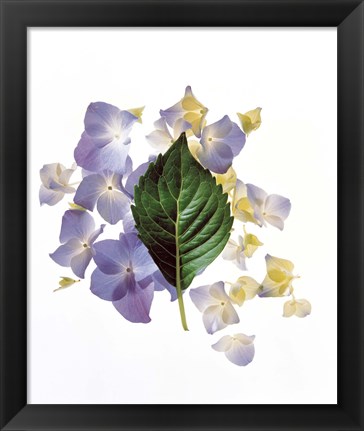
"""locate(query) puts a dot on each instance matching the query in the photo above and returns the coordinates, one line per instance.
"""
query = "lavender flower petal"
(108, 287)
(135, 305)
(65, 252)
(112, 256)
(89, 191)
(76, 224)
(112, 206)
(80, 261)
(217, 157)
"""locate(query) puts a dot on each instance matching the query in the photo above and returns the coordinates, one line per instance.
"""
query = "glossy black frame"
(16, 16)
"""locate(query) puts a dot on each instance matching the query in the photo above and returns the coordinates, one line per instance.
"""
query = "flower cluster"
(124, 272)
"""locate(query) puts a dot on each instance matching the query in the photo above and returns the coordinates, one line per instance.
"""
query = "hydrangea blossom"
(234, 251)
(237, 252)
(272, 209)
(77, 236)
(239, 348)
(55, 183)
(251, 120)
(104, 144)
(279, 278)
(188, 109)
(220, 143)
(123, 276)
(241, 207)
(243, 289)
(106, 191)
(296, 307)
(215, 304)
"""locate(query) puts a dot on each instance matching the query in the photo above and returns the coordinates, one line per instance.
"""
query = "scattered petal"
(77, 237)
(221, 142)
(55, 183)
(251, 120)
(189, 109)
(243, 289)
(273, 209)
(124, 275)
(235, 252)
(296, 307)
(137, 112)
(215, 305)
(227, 180)
(238, 349)
(65, 282)
(279, 278)
(104, 145)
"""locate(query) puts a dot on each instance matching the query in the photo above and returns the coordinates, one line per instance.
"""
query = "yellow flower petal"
(250, 243)
(243, 289)
(241, 206)
(65, 282)
(297, 307)
(227, 180)
(279, 277)
(251, 120)
(138, 112)
(76, 207)
(194, 148)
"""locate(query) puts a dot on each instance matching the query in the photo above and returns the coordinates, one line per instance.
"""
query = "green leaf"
(181, 215)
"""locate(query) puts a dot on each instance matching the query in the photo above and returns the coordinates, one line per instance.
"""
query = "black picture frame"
(16, 16)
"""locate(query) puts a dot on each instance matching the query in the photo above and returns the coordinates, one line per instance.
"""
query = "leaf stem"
(181, 307)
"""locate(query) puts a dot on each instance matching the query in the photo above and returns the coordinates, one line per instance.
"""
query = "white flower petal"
(202, 298)
(229, 315)
(278, 206)
(303, 308)
(217, 291)
(212, 319)
(289, 308)
(223, 344)
(239, 353)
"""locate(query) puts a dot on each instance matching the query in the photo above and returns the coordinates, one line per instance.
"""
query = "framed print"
(181, 215)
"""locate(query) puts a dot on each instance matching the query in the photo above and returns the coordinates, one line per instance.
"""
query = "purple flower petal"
(93, 237)
(89, 191)
(256, 195)
(128, 166)
(129, 223)
(160, 283)
(236, 139)
(76, 224)
(100, 121)
(135, 305)
(49, 197)
(217, 157)
(64, 253)
(143, 264)
(80, 262)
(105, 124)
(113, 205)
(218, 130)
(112, 156)
(278, 206)
(108, 287)
(112, 256)
(133, 178)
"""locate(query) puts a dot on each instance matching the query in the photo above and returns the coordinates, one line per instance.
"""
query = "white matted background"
(80, 350)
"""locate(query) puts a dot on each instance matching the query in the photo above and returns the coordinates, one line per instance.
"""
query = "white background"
(80, 349)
